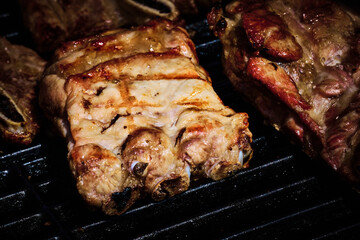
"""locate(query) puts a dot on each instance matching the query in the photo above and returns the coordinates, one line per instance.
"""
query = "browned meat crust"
(298, 62)
(140, 116)
(20, 69)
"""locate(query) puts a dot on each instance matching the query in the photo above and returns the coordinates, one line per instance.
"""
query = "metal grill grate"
(283, 195)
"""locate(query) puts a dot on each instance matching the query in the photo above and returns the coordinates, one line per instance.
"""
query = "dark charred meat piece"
(191, 7)
(53, 22)
(20, 69)
(141, 116)
(298, 62)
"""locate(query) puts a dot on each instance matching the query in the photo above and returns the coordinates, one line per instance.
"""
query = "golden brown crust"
(124, 98)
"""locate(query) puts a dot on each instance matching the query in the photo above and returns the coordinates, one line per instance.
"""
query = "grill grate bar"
(44, 208)
(30, 150)
(198, 200)
(205, 46)
(205, 186)
(348, 232)
(229, 211)
(208, 185)
(280, 220)
(307, 224)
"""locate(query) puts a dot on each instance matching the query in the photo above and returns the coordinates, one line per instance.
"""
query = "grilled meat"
(140, 116)
(20, 69)
(53, 22)
(298, 63)
(191, 7)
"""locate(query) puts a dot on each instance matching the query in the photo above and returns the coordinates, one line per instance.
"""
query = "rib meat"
(140, 116)
(20, 68)
(298, 63)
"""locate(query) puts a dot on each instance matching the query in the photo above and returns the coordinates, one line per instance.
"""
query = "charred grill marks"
(113, 121)
(86, 103)
(147, 92)
(99, 91)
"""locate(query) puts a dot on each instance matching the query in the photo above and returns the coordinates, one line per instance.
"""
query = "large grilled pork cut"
(20, 70)
(140, 116)
(298, 63)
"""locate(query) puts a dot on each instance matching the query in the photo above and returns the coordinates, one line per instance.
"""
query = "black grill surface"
(282, 195)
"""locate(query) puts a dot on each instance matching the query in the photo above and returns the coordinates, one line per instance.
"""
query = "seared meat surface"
(298, 62)
(140, 116)
(20, 68)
